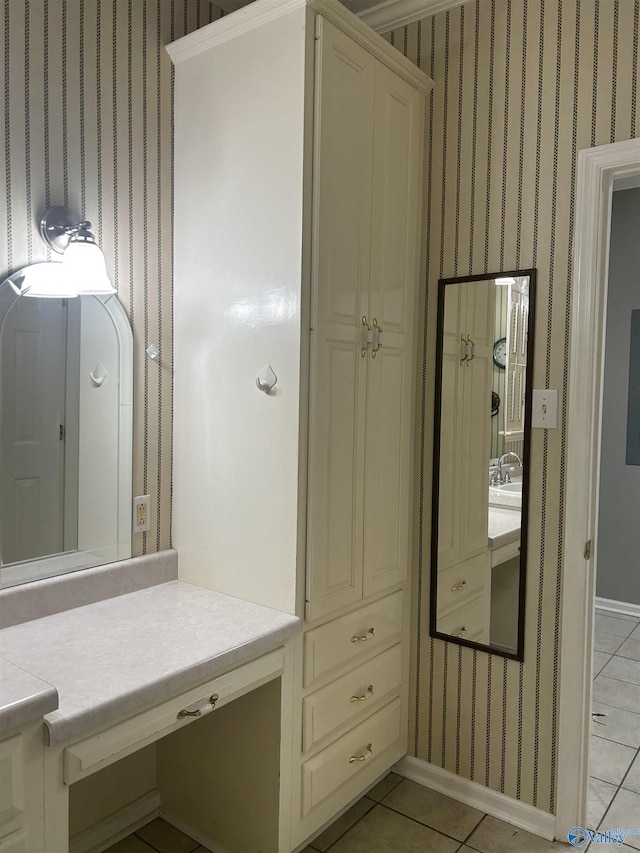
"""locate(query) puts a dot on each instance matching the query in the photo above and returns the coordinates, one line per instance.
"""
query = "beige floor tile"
(614, 625)
(609, 761)
(630, 649)
(342, 824)
(600, 659)
(624, 813)
(619, 725)
(384, 787)
(386, 831)
(130, 844)
(433, 809)
(632, 779)
(496, 836)
(636, 633)
(166, 838)
(620, 694)
(603, 642)
(600, 796)
(623, 669)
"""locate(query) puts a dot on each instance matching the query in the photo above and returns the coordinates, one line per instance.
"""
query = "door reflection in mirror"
(66, 437)
(481, 460)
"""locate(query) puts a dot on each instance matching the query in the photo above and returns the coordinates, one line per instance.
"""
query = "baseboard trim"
(117, 826)
(623, 607)
(472, 794)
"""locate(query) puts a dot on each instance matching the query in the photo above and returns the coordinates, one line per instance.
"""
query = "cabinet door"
(344, 101)
(475, 421)
(397, 196)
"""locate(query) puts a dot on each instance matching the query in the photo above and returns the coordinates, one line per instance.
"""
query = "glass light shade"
(85, 266)
(47, 281)
(505, 281)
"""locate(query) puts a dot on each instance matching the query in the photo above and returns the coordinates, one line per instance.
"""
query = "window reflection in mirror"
(481, 463)
(66, 433)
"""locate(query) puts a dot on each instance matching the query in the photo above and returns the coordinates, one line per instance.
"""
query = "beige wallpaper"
(520, 86)
(86, 122)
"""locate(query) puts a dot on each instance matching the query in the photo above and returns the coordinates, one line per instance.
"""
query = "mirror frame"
(124, 335)
(526, 465)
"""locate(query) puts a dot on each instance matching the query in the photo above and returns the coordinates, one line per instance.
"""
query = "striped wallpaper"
(520, 86)
(86, 122)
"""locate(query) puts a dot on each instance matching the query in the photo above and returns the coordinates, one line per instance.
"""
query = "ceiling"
(355, 6)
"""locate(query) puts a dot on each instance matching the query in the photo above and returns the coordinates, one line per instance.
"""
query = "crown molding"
(398, 13)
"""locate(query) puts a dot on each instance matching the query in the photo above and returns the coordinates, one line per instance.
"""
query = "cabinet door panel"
(342, 225)
(342, 190)
(397, 188)
(397, 183)
(388, 459)
(334, 555)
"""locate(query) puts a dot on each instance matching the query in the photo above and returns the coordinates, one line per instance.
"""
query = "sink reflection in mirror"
(482, 414)
(66, 440)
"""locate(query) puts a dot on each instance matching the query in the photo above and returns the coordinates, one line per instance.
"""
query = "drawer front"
(349, 698)
(123, 738)
(11, 780)
(348, 756)
(346, 639)
(460, 583)
(470, 622)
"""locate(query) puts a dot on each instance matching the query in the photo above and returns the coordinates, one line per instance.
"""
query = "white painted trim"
(117, 826)
(260, 12)
(241, 21)
(597, 170)
(399, 13)
(625, 608)
(478, 796)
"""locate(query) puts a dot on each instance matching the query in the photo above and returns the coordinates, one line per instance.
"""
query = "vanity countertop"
(23, 697)
(504, 526)
(112, 658)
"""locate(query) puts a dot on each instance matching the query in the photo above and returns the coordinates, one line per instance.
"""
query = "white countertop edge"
(73, 727)
(23, 698)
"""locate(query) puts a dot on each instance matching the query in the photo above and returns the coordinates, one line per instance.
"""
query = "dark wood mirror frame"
(518, 654)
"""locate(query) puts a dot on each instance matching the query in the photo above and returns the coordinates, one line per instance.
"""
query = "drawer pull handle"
(200, 712)
(362, 638)
(354, 758)
(458, 587)
(364, 696)
(462, 633)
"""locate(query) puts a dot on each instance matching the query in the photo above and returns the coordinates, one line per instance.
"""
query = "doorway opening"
(599, 171)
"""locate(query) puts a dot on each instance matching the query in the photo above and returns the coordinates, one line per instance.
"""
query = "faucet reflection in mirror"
(482, 412)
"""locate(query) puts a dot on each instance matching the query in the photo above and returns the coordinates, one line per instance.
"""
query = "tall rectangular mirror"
(481, 460)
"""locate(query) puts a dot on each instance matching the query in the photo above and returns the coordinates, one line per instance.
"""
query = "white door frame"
(598, 168)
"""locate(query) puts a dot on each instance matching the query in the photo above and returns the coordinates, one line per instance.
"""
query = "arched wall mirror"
(481, 460)
(66, 398)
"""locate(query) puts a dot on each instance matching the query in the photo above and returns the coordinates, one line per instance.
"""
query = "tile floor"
(396, 816)
(399, 816)
(614, 753)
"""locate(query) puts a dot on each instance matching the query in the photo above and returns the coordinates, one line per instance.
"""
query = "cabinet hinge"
(61, 432)
(587, 550)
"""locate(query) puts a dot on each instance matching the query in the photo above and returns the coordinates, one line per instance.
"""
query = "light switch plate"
(544, 412)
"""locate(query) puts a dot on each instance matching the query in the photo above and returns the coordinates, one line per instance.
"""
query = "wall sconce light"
(83, 270)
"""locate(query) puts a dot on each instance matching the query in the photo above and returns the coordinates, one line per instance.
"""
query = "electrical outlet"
(141, 513)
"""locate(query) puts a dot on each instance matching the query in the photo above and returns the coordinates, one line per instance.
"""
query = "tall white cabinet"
(298, 196)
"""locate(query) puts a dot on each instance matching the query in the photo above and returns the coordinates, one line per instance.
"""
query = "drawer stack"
(353, 719)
